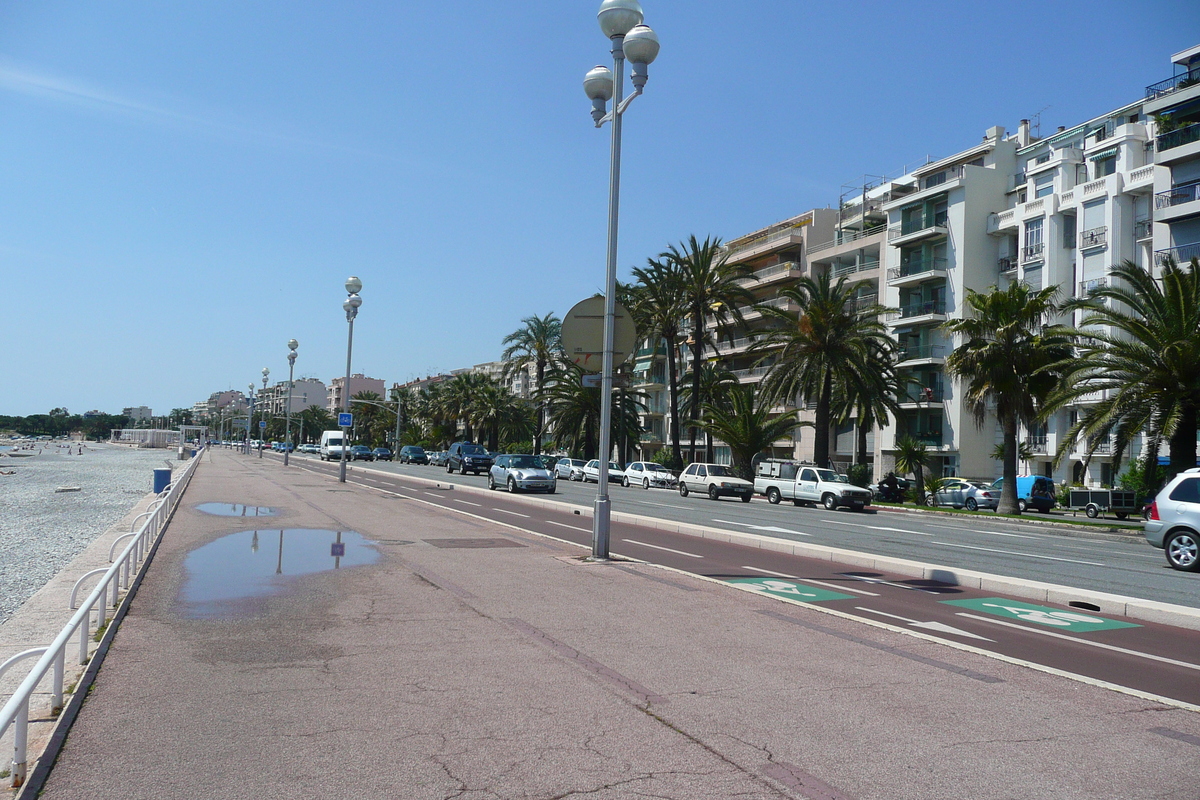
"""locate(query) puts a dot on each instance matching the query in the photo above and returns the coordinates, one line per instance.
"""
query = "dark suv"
(468, 457)
(412, 454)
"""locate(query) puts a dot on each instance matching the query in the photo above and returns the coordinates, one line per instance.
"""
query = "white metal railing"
(767, 238)
(845, 237)
(768, 272)
(849, 269)
(119, 576)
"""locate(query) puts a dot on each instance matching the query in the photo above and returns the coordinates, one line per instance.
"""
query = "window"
(1188, 491)
(701, 472)
(1105, 166)
(808, 475)
(691, 470)
(1044, 185)
(788, 472)
(1068, 231)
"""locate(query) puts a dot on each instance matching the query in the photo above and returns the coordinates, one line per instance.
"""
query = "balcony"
(938, 178)
(999, 222)
(1140, 179)
(1172, 84)
(1006, 264)
(930, 353)
(1143, 229)
(850, 269)
(864, 301)
(768, 274)
(1032, 252)
(1181, 255)
(1094, 237)
(921, 396)
(752, 374)
(847, 237)
(770, 240)
(918, 227)
(921, 311)
(1037, 444)
(1017, 181)
(1086, 287)
(1181, 201)
(917, 270)
(1178, 138)
(929, 438)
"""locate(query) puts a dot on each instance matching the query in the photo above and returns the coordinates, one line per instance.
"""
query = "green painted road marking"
(1073, 621)
(777, 587)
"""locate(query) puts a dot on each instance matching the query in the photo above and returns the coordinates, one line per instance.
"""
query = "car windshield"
(527, 462)
(473, 450)
(827, 475)
(654, 468)
(719, 471)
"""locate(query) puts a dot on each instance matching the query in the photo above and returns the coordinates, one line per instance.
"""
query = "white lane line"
(467, 502)
(892, 583)
(771, 528)
(514, 513)
(663, 505)
(433, 494)
(928, 625)
(837, 586)
(656, 547)
(564, 525)
(998, 533)
(1015, 553)
(875, 527)
(1114, 648)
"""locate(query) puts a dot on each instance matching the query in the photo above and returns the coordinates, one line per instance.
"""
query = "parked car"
(382, 454)
(647, 473)
(566, 468)
(332, 446)
(412, 454)
(591, 472)
(1033, 491)
(467, 457)
(958, 493)
(522, 473)
(1174, 523)
(715, 480)
(360, 452)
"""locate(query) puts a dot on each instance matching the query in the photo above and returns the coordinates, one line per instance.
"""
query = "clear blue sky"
(186, 186)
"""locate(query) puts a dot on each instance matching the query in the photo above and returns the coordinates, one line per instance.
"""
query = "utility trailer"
(1095, 502)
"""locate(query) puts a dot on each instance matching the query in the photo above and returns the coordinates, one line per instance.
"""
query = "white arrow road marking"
(771, 528)
(837, 586)
(931, 626)
(656, 547)
(1101, 645)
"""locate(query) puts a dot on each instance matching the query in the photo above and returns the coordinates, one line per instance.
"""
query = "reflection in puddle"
(251, 565)
(236, 510)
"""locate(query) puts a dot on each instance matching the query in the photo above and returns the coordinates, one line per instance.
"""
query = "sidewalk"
(473, 661)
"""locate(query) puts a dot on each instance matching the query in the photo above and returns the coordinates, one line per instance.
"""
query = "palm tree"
(912, 458)
(498, 411)
(710, 291)
(873, 399)
(658, 301)
(574, 411)
(826, 343)
(1009, 354)
(716, 386)
(456, 397)
(1139, 348)
(746, 425)
(537, 342)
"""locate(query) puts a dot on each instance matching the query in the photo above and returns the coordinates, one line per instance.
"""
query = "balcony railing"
(1037, 444)
(916, 267)
(1094, 237)
(849, 269)
(1032, 252)
(1181, 255)
(923, 352)
(768, 272)
(925, 394)
(1143, 228)
(753, 372)
(1178, 138)
(847, 236)
(931, 439)
(864, 301)
(1184, 193)
(1086, 287)
(1173, 84)
(919, 309)
(1006, 264)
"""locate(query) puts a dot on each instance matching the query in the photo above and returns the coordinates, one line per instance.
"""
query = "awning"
(1109, 153)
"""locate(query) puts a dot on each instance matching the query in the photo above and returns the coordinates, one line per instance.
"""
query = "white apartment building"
(522, 382)
(136, 413)
(1175, 102)
(306, 393)
(358, 383)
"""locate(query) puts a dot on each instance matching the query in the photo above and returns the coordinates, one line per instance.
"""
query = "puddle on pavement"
(236, 510)
(232, 576)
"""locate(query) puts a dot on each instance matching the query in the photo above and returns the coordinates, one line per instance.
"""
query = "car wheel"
(1122, 515)
(773, 496)
(1091, 511)
(830, 502)
(1021, 505)
(552, 489)
(1182, 549)
(745, 498)
(646, 484)
(712, 493)
(796, 501)
(625, 481)
(491, 482)
(971, 505)
(683, 490)
(449, 468)
(512, 486)
(931, 500)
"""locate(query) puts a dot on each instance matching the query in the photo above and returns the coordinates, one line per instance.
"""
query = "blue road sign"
(345, 420)
(262, 423)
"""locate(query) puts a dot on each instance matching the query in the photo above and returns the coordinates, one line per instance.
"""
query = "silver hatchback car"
(522, 474)
(1174, 522)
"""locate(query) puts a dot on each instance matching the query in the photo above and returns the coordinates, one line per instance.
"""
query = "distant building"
(306, 393)
(358, 383)
(137, 412)
(521, 382)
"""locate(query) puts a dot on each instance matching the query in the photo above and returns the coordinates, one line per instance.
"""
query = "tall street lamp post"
(261, 428)
(287, 426)
(249, 416)
(353, 301)
(621, 22)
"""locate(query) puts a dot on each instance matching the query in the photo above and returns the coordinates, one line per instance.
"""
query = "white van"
(332, 446)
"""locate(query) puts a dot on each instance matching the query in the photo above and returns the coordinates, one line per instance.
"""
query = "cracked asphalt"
(487, 671)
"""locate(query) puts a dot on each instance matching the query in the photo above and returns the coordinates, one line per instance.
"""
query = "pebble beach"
(41, 530)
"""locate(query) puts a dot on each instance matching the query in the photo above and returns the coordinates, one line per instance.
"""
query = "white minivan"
(332, 445)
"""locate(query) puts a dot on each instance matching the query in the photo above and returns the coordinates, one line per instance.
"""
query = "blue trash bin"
(162, 478)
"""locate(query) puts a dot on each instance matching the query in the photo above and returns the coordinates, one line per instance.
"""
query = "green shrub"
(666, 458)
(859, 474)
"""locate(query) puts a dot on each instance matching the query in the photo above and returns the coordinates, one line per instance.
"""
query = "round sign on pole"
(583, 334)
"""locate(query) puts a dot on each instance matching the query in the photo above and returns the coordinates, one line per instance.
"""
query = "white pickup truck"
(806, 483)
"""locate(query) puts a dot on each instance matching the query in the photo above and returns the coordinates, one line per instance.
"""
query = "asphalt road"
(1114, 563)
(1159, 660)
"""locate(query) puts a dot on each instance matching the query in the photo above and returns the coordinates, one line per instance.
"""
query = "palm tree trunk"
(1008, 492)
(697, 348)
(821, 434)
(860, 455)
(673, 391)
(1182, 445)
(539, 424)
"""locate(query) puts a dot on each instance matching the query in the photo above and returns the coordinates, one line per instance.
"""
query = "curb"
(1086, 599)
